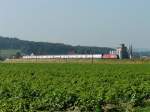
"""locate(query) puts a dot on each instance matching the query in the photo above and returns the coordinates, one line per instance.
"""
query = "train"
(121, 52)
(75, 56)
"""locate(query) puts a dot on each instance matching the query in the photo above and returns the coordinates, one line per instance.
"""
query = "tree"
(18, 55)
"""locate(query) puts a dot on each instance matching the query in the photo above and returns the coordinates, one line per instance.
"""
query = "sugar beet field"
(72, 87)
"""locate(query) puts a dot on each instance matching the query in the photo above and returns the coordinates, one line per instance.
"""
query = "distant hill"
(45, 48)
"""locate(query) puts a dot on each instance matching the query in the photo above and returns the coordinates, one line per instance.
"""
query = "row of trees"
(45, 48)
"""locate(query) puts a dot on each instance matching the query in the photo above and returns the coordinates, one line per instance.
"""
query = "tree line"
(46, 48)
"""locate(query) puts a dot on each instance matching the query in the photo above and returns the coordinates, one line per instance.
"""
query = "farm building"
(123, 52)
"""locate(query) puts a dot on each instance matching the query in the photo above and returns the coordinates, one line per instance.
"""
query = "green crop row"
(74, 87)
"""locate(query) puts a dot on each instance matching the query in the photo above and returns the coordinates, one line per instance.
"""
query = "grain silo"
(122, 52)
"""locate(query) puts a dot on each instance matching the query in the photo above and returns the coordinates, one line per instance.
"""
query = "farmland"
(85, 87)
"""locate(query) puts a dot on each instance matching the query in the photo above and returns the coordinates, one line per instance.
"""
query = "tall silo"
(122, 52)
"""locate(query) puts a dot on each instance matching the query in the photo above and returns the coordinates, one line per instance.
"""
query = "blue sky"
(78, 22)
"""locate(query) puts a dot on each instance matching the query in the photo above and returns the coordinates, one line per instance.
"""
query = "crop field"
(95, 61)
(74, 87)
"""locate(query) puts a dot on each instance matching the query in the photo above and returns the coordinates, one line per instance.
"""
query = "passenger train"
(76, 56)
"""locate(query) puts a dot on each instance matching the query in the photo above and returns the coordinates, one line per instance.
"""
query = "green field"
(74, 87)
(83, 61)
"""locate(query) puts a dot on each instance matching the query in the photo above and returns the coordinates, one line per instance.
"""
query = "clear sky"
(78, 22)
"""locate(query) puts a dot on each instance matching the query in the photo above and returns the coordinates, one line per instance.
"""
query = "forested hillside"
(44, 48)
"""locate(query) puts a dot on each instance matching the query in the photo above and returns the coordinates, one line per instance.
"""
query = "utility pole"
(91, 52)
(92, 59)
(130, 51)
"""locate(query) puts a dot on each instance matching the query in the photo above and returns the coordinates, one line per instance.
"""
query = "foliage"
(8, 53)
(68, 87)
(43, 48)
